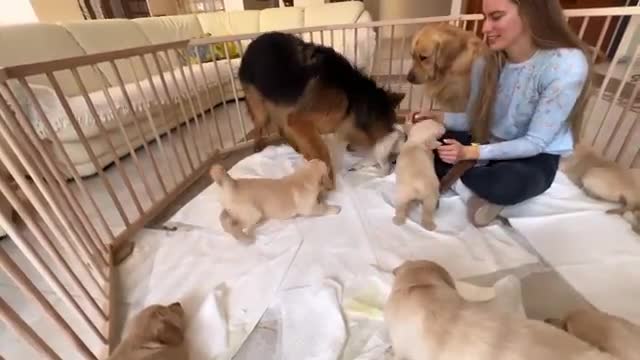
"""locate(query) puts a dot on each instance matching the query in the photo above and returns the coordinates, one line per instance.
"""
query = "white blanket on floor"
(315, 265)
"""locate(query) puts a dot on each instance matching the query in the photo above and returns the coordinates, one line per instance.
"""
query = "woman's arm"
(561, 83)
(459, 121)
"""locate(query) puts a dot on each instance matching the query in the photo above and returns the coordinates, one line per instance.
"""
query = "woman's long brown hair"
(549, 30)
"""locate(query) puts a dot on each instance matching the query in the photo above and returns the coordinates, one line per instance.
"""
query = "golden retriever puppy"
(443, 56)
(249, 201)
(611, 334)
(416, 178)
(603, 179)
(428, 319)
(156, 333)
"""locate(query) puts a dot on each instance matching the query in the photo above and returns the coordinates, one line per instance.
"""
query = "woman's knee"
(507, 188)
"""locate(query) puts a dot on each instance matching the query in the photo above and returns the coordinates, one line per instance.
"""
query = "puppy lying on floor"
(611, 334)
(428, 319)
(603, 179)
(416, 178)
(248, 201)
(156, 333)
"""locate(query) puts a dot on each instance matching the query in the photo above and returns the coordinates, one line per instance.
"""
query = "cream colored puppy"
(603, 179)
(416, 178)
(428, 319)
(156, 333)
(248, 201)
(611, 334)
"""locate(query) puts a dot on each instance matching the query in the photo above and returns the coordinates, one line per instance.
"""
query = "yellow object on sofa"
(208, 53)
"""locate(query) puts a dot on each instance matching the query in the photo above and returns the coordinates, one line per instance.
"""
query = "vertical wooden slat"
(85, 143)
(98, 274)
(234, 90)
(22, 329)
(603, 32)
(192, 91)
(376, 48)
(163, 116)
(11, 269)
(165, 120)
(355, 46)
(201, 105)
(41, 266)
(214, 118)
(224, 102)
(188, 96)
(134, 114)
(595, 139)
(393, 29)
(105, 134)
(131, 107)
(69, 198)
(583, 27)
(180, 105)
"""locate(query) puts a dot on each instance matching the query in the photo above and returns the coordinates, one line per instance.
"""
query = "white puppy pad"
(225, 287)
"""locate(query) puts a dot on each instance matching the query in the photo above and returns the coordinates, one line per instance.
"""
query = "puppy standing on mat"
(248, 201)
(415, 174)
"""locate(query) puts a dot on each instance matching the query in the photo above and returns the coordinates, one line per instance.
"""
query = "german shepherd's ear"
(396, 98)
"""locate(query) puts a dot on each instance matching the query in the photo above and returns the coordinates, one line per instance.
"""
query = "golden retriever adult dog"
(248, 201)
(155, 333)
(611, 334)
(603, 179)
(428, 319)
(443, 56)
(416, 179)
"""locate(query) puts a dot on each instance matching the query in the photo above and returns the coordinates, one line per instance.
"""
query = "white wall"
(16, 12)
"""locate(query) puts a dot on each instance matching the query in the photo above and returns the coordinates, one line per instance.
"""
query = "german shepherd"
(309, 90)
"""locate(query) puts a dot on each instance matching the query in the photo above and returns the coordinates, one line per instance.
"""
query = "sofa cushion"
(31, 43)
(346, 12)
(281, 18)
(230, 23)
(170, 28)
(98, 36)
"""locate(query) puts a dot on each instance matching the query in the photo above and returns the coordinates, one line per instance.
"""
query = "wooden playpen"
(165, 130)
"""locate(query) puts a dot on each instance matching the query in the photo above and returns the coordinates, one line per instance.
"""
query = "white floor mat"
(322, 281)
(598, 254)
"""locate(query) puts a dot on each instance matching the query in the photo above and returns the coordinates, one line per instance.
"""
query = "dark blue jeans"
(505, 182)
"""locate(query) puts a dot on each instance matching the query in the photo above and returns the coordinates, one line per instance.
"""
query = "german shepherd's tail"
(220, 176)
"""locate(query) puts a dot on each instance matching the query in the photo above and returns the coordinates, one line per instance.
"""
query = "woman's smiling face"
(503, 24)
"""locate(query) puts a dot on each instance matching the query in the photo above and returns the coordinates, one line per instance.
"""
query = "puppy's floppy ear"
(447, 50)
(395, 98)
(168, 334)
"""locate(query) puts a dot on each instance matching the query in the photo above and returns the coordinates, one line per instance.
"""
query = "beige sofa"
(31, 43)
(41, 42)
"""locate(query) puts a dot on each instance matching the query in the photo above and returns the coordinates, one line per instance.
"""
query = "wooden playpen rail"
(75, 229)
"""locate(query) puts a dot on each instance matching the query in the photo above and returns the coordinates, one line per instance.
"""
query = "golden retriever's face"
(161, 324)
(433, 50)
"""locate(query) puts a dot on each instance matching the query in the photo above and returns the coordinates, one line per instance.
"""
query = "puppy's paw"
(428, 224)
(399, 220)
(333, 209)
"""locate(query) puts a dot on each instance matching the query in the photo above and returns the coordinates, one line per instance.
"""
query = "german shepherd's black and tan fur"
(309, 90)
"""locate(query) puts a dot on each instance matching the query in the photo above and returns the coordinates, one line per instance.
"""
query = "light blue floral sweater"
(534, 100)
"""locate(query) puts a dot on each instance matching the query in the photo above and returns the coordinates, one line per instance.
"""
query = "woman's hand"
(452, 151)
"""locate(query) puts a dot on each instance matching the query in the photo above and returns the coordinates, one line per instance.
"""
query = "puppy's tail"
(220, 176)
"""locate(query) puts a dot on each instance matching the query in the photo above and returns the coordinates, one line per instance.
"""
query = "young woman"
(525, 106)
